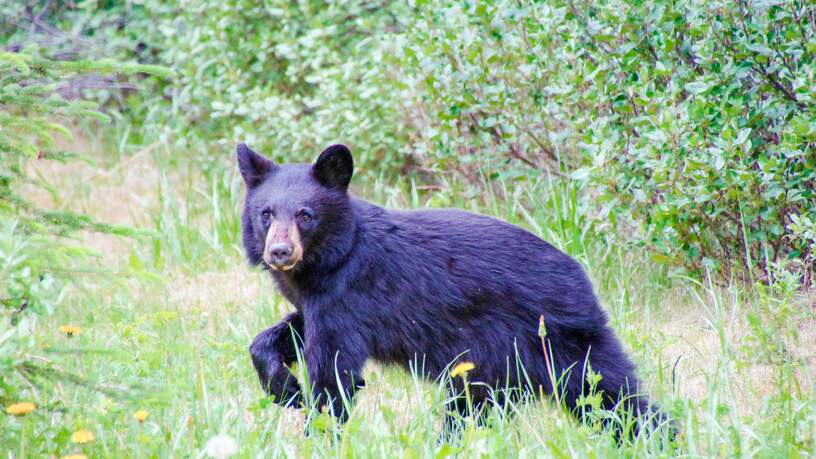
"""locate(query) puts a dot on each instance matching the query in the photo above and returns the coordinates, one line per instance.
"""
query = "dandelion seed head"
(220, 446)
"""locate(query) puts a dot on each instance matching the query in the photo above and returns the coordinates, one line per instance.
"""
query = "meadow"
(165, 319)
(669, 146)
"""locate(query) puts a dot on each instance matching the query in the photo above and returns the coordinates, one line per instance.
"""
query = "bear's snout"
(280, 253)
(283, 248)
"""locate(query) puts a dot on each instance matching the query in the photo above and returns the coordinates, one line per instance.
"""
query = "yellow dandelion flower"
(141, 415)
(82, 436)
(20, 409)
(462, 369)
(75, 456)
(70, 330)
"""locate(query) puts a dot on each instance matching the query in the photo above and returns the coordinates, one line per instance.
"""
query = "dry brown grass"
(211, 291)
(121, 195)
(700, 352)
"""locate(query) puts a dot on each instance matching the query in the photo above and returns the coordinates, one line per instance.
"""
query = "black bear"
(424, 288)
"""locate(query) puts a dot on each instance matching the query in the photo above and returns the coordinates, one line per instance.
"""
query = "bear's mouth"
(281, 267)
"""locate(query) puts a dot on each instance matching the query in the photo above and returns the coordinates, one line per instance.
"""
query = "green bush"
(708, 133)
(89, 29)
(482, 92)
(690, 124)
(287, 78)
(693, 120)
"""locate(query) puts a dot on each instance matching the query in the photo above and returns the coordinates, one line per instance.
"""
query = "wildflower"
(462, 369)
(220, 446)
(20, 409)
(82, 436)
(75, 456)
(70, 330)
(140, 415)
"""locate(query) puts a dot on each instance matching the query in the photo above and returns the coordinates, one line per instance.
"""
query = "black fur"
(426, 286)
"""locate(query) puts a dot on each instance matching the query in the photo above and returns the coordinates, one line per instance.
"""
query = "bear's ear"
(253, 166)
(334, 167)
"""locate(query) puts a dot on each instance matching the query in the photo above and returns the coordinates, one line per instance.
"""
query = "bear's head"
(294, 214)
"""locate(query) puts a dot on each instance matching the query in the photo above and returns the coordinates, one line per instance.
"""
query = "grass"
(166, 321)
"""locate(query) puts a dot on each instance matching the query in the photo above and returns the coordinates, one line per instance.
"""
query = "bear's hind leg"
(618, 384)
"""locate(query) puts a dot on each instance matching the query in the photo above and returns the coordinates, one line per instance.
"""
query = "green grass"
(166, 321)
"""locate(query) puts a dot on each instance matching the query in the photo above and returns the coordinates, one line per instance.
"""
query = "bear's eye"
(266, 215)
(305, 216)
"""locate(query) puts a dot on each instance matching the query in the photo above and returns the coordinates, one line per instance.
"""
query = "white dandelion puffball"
(221, 446)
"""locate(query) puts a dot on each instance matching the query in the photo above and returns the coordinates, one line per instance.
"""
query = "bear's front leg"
(272, 350)
(335, 366)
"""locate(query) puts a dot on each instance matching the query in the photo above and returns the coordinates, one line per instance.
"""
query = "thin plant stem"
(542, 332)
(467, 394)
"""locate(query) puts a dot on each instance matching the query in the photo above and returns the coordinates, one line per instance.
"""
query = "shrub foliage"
(694, 120)
(691, 124)
(285, 77)
(707, 134)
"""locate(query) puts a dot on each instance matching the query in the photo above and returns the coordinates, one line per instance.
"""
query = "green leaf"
(697, 87)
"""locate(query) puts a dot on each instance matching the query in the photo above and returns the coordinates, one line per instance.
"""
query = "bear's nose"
(280, 252)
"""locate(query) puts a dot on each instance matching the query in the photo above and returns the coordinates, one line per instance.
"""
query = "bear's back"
(457, 257)
(483, 248)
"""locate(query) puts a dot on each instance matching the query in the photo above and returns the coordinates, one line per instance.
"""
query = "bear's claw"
(279, 383)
